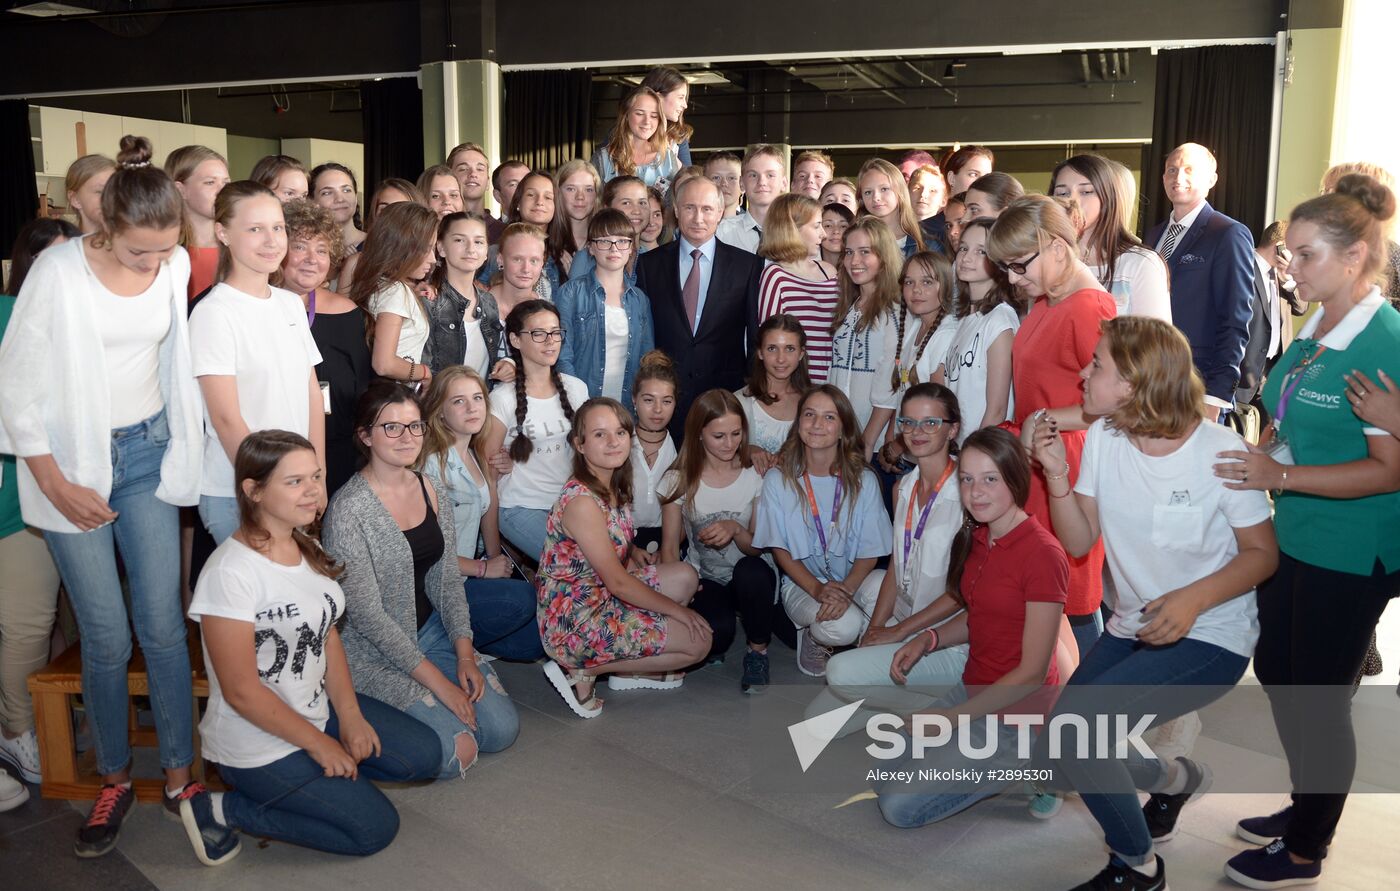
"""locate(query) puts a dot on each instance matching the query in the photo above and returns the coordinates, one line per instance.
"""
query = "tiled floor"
(659, 791)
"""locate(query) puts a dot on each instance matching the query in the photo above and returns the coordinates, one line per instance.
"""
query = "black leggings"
(749, 594)
(1314, 627)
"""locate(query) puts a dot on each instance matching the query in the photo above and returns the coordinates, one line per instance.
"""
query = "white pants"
(864, 673)
(846, 628)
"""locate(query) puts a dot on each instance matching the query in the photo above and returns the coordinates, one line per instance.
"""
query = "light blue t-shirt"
(785, 521)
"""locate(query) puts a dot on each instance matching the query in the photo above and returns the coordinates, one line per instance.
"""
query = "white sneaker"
(23, 752)
(12, 792)
(811, 656)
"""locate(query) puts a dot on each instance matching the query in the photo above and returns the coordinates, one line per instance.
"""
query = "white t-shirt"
(735, 501)
(614, 350)
(965, 364)
(132, 329)
(1167, 522)
(476, 356)
(399, 300)
(862, 363)
(1140, 285)
(765, 431)
(926, 365)
(266, 345)
(646, 503)
(291, 609)
(537, 483)
(925, 580)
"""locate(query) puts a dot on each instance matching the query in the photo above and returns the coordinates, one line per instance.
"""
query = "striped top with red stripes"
(813, 304)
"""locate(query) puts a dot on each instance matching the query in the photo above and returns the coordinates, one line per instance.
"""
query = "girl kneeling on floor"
(821, 514)
(597, 615)
(409, 631)
(291, 736)
(1011, 575)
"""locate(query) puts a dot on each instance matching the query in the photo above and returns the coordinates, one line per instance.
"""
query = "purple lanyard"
(816, 512)
(311, 307)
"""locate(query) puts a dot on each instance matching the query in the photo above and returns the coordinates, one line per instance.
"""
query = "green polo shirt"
(1341, 534)
(10, 520)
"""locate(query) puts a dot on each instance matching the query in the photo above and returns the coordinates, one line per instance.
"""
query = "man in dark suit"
(1211, 261)
(704, 299)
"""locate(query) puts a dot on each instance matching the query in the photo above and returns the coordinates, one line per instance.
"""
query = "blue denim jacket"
(584, 351)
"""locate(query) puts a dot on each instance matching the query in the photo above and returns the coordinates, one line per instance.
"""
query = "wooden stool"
(64, 775)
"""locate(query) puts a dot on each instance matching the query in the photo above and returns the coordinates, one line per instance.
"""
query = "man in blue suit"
(1211, 261)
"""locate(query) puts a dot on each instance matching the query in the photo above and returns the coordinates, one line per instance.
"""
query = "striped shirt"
(813, 304)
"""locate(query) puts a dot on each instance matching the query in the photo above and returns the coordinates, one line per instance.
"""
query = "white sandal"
(564, 685)
(671, 680)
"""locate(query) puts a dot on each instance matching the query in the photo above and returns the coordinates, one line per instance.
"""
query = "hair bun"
(656, 359)
(1378, 200)
(135, 152)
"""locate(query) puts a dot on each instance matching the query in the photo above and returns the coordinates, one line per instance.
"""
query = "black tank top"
(425, 541)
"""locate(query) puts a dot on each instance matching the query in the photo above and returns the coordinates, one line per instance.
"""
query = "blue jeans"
(293, 800)
(147, 531)
(914, 804)
(524, 528)
(503, 619)
(1167, 681)
(1087, 630)
(219, 515)
(497, 722)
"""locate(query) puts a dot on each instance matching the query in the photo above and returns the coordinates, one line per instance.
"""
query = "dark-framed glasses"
(540, 335)
(393, 429)
(612, 244)
(1018, 266)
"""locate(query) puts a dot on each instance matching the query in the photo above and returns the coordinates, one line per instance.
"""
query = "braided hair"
(522, 446)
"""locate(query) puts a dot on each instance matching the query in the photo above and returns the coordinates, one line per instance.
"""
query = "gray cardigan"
(381, 630)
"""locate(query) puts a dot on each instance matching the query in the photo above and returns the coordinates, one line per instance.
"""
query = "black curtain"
(548, 117)
(1220, 97)
(19, 195)
(392, 111)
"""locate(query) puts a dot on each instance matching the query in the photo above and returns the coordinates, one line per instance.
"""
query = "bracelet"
(411, 365)
(1283, 483)
(933, 633)
(1061, 476)
(1068, 492)
(483, 569)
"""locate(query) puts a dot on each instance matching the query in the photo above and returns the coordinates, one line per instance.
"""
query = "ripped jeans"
(497, 722)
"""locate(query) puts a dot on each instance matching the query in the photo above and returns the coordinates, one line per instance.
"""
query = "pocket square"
(1190, 259)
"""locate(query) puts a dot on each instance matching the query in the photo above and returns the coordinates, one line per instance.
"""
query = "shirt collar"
(1352, 324)
(707, 249)
(1189, 218)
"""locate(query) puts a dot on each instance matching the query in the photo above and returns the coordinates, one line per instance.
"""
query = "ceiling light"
(48, 10)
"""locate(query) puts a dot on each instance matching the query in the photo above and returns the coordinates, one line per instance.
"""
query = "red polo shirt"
(1027, 565)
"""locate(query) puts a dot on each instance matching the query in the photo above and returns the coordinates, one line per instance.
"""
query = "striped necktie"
(1169, 243)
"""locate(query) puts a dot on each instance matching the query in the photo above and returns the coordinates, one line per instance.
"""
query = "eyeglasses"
(393, 429)
(612, 244)
(1018, 266)
(928, 425)
(539, 335)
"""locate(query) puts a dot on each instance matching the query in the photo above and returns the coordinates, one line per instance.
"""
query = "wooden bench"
(68, 775)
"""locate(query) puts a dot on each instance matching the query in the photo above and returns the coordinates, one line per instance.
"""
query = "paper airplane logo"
(811, 737)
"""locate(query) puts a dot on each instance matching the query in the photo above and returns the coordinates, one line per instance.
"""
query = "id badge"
(326, 396)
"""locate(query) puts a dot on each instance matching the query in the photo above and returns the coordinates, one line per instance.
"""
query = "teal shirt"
(1341, 534)
(10, 519)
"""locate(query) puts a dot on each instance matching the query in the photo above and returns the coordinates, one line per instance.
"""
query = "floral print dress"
(582, 625)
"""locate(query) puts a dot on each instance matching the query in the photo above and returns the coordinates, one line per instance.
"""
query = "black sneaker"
(755, 672)
(1161, 811)
(1271, 867)
(1263, 830)
(1119, 876)
(99, 833)
(213, 842)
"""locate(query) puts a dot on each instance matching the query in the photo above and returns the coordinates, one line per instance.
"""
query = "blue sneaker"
(213, 842)
(1271, 867)
(755, 678)
(1263, 830)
